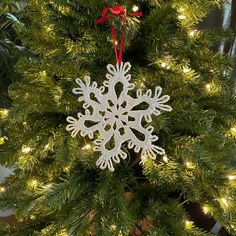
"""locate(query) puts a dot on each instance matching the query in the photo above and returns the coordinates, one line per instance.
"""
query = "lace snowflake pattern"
(116, 116)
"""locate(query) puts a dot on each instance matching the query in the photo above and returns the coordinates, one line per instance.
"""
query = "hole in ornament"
(118, 88)
(111, 104)
(110, 144)
(90, 109)
(130, 118)
(124, 123)
(122, 131)
(114, 126)
(124, 103)
(107, 127)
(102, 113)
(90, 123)
(125, 113)
(93, 97)
(116, 116)
(108, 109)
(141, 106)
(138, 134)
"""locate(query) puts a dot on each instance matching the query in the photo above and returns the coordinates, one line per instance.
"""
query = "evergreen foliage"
(11, 14)
(56, 188)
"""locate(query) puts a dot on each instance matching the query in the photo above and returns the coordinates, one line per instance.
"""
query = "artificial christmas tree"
(57, 189)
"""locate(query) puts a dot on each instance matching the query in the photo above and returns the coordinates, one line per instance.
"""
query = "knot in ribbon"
(120, 12)
(115, 11)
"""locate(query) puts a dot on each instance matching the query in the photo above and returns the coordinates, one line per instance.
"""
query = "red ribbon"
(120, 12)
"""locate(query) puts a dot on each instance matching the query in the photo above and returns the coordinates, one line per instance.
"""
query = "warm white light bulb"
(186, 70)
(165, 159)
(181, 17)
(26, 150)
(233, 130)
(232, 177)
(144, 158)
(2, 190)
(208, 87)
(1, 140)
(66, 169)
(163, 64)
(48, 186)
(192, 33)
(189, 164)
(33, 184)
(188, 224)
(224, 201)
(205, 209)
(32, 217)
(4, 113)
(86, 147)
(113, 227)
(135, 8)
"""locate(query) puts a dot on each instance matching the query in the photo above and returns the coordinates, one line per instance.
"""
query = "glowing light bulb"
(208, 87)
(66, 169)
(86, 147)
(144, 158)
(33, 183)
(163, 64)
(192, 33)
(48, 186)
(116, 42)
(165, 159)
(26, 150)
(49, 29)
(186, 70)
(135, 8)
(181, 17)
(32, 217)
(188, 224)
(205, 209)
(232, 177)
(113, 227)
(233, 131)
(2, 190)
(189, 164)
(4, 113)
(1, 140)
(64, 9)
(224, 201)
(46, 146)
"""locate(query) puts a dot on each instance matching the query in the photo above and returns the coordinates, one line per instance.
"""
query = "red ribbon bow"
(116, 11)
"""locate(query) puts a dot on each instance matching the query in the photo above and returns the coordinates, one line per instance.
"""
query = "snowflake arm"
(88, 91)
(154, 104)
(79, 125)
(110, 155)
(146, 145)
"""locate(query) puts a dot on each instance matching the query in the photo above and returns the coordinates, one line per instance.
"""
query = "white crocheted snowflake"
(117, 116)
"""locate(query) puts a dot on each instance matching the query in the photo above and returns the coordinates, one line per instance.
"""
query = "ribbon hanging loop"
(116, 11)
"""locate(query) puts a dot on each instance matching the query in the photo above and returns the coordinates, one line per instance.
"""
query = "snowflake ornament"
(116, 116)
